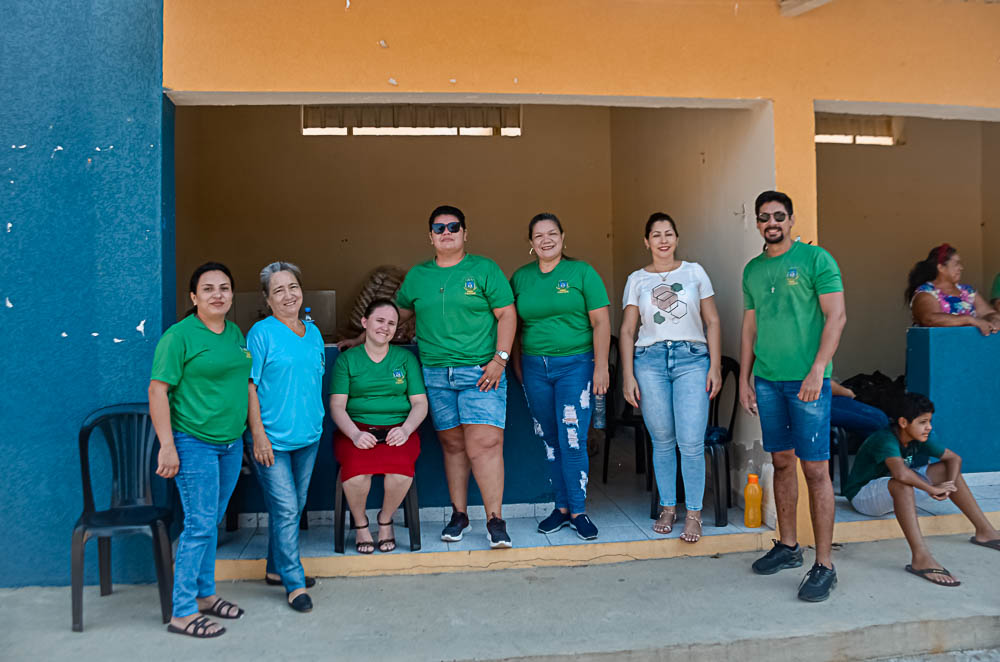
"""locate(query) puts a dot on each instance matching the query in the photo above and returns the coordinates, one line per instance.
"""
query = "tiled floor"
(619, 508)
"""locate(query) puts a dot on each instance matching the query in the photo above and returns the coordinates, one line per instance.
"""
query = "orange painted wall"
(916, 51)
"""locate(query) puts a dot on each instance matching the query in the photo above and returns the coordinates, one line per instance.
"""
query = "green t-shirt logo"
(793, 276)
(470, 286)
(562, 287)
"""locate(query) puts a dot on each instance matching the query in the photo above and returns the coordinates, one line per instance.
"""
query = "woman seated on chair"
(677, 367)
(377, 400)
(937, 298)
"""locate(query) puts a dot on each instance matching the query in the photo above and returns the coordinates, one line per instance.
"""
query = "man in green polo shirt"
(794, 315)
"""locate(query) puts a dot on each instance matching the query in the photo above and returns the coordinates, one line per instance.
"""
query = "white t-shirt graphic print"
(669, 304)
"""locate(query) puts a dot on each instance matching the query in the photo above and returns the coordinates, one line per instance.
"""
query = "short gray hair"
(273, 268)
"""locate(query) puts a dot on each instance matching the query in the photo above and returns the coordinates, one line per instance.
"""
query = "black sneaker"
(496, 533)
(557, 520)
(780, 557)
(585, 529)
(817, 583)
(458, 522)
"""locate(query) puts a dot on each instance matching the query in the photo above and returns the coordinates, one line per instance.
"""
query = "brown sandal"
(692, 537)
(366, 546)
(665, 523)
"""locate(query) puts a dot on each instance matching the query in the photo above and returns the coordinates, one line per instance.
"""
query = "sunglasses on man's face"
(778, 216)
(453, 228)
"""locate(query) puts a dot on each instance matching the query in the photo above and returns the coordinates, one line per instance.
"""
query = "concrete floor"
(700, 608)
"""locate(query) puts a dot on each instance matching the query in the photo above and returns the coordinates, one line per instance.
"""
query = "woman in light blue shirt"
(286, 420)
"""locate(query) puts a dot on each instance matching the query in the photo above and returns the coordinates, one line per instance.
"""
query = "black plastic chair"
(717, 450)
(839, 438)
(128, 431)
(411, 517)
(622, 414)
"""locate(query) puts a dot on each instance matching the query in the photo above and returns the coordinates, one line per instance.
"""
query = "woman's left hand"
(491, 376)
(601, 380)
(397, 436)
(713, 384)
(262, 451)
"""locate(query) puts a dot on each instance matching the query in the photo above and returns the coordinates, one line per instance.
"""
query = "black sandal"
(197, 628)
(223, 609)
(387, 542)
(363, 547)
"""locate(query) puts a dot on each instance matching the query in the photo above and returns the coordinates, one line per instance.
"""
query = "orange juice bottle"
(752, 495)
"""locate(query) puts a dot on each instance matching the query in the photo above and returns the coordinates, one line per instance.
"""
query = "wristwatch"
(503, 355)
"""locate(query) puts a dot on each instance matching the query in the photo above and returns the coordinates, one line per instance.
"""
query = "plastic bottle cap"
(308, 309)
(752, 478)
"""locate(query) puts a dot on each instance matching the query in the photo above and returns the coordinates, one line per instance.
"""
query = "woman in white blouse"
(672, 368)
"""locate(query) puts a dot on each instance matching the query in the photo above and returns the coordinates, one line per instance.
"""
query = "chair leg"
(164, 573)
(304, 520)
(104, 563)
(640, 448)
(76, 571)
(654, 502)
(338, 518)
(607, 455)
(719, 480)
(411, 512)
(730, 493)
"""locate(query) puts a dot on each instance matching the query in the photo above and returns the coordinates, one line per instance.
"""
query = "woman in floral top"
(937, 298)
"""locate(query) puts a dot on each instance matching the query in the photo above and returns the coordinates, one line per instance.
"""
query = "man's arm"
(832, 305)
(748, 335)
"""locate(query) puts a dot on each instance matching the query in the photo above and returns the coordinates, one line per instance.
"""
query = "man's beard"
(772, 239)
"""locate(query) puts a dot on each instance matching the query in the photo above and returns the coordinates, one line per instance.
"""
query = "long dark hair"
(657, 217)
(202, 270)
(546, 216)
(926, 270)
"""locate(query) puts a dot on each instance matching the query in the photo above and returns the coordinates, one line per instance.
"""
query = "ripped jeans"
(558, 390)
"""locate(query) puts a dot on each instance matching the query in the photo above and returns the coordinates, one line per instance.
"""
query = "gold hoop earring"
(531, 251)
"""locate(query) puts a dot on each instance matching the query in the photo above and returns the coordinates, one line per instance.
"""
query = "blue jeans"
(558, 390)
(787, 423)
(672, 376)
(205, 481)
(856, 416)
(285, 484)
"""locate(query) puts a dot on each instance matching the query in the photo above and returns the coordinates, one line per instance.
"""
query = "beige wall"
(704, 168)
(883, 208)
(991, 204)
(251, 189)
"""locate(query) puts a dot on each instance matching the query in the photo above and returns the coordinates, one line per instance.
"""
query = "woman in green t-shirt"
(377, 400)
(565, 335)
(198, 400)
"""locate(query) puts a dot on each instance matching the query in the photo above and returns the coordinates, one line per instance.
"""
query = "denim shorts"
(787, 423)
(455, 399)
(875, 500)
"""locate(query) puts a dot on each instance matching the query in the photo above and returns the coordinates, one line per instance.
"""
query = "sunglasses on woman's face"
(778, 216)
(453, 228)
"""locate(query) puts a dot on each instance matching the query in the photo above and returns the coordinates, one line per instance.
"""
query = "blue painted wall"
(959, 370)
(81, 261)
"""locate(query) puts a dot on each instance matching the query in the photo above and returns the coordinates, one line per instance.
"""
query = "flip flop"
(933, 571)
(992, 544)
(197, 628)
(223, 609)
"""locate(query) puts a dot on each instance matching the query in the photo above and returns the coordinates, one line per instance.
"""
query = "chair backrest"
(730, 366)
(128, 431)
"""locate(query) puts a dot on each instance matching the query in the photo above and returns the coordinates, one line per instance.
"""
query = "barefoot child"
(891, 473)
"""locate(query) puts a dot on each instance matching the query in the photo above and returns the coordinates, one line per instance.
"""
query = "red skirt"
(382, 459)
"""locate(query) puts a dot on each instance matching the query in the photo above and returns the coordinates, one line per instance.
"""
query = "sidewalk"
(700, 608)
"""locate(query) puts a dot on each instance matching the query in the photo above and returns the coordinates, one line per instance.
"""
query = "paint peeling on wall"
(8, 303)
(142, 327)
(381, 42)
(117, 340)
(58, 148)
(64, 334)
(95, 334)
(9, 226)
(392, 81)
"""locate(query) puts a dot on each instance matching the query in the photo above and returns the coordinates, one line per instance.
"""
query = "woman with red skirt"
(377, 400)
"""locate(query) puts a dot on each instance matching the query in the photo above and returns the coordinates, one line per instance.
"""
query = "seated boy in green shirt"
(891, 473)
